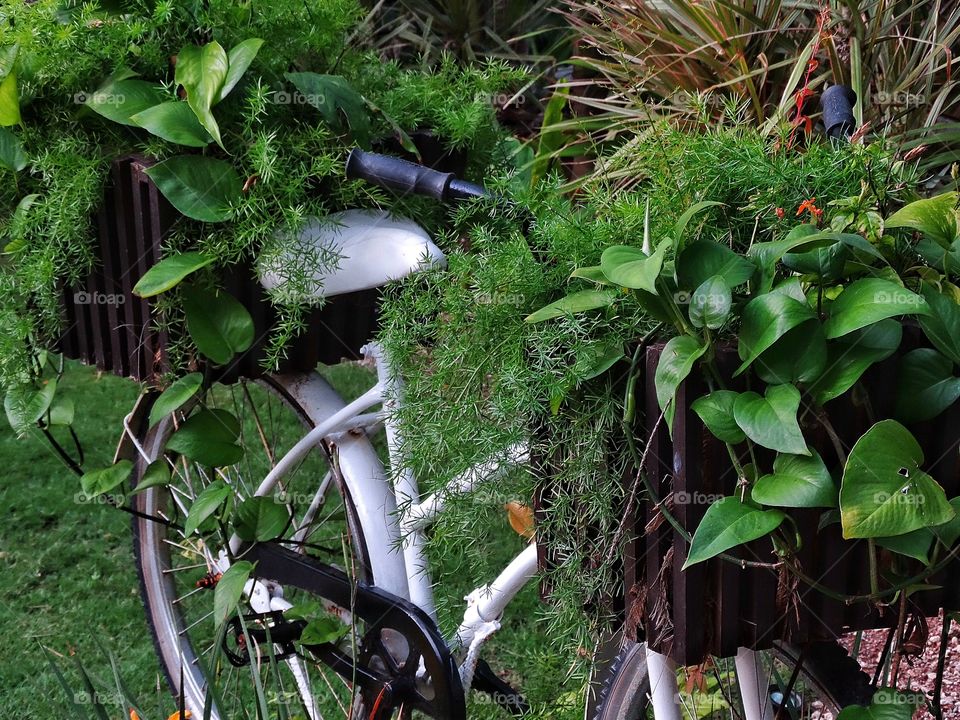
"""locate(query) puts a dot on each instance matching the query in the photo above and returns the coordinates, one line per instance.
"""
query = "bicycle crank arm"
(377, 671)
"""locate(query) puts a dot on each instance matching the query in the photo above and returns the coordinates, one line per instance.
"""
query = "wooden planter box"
(715, 607)
(106, 325)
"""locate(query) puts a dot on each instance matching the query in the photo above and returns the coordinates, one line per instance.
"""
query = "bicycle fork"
(752, 676)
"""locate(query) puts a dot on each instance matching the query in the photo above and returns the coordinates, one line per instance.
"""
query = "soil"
(919, 673)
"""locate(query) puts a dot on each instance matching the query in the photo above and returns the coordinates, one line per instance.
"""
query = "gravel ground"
(919, 673)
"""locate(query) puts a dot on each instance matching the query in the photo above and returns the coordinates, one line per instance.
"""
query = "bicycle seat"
(374, 247)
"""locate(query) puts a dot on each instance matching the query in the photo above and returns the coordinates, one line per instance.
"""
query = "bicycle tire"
(837, 679)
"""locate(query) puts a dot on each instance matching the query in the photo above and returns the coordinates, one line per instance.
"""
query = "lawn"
(69, 582)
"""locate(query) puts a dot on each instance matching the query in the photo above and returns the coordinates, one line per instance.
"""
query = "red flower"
(810, 207)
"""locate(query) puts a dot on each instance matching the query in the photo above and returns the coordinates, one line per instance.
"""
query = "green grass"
(68, 578)
(69, 582)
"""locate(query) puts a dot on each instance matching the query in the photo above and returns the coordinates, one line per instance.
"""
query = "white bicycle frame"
(376, 247)
(394, 516)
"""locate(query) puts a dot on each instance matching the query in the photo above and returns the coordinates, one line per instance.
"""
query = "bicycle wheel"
(175, 570)
(828, 680)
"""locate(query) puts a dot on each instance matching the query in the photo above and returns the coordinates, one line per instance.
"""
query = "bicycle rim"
(171, 566)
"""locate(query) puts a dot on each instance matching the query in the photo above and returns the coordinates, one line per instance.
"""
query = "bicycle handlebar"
(837, 102)
(403, 176)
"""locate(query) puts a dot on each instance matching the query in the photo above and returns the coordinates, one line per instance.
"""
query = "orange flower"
(810, 207)
(780, 213)
(133, 714)
(176, 716)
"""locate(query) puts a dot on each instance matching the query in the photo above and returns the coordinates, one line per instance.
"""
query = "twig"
(631, 502)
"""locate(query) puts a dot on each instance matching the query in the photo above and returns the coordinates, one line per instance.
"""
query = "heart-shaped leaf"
(771, 421)
(710, 303)
(200, 187)
(229, 590)
(884, 492)
(868, 300)
(339, 104)
(596, 358)
(630, 267)
(942, 324)
(26, 404)
(157, 474)
(916, 544)
(98, 482)
(800, 481)
(173, 121)
(680, 228)
(594, 273)
(573, 303)
(180, 390)
(768, 254)
(935, 217)
(9, 95)
(209, 501)
(887, 704)
(170, 271)
(12, 156)
(848, 357)
(716, 412)
(238, 60)
(800, 356)
(827, 263)
(260, 518)
(700, 261)
(727, 524)
(676, 362)
(949, 532)
(220, 326)
(927, 385)
(202, 72)
(120, 100)
(208, 437)
(765, 320)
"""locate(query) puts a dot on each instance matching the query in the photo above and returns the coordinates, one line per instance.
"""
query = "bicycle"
(387, 658)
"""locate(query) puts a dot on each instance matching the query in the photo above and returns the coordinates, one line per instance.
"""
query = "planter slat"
(715, 607)
(122, 337)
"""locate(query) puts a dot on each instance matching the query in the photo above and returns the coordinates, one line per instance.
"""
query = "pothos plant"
(808, 314)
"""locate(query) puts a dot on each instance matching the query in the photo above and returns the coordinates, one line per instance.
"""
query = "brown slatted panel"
(162, 217)
(133, 251)
(115, 263)
(658, 467)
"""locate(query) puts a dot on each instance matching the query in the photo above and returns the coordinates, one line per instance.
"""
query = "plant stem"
(874, 574)
(898, 640)
(941, 664)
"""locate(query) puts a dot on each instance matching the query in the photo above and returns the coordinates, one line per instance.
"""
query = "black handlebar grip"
(837, 102)
(398, 175)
